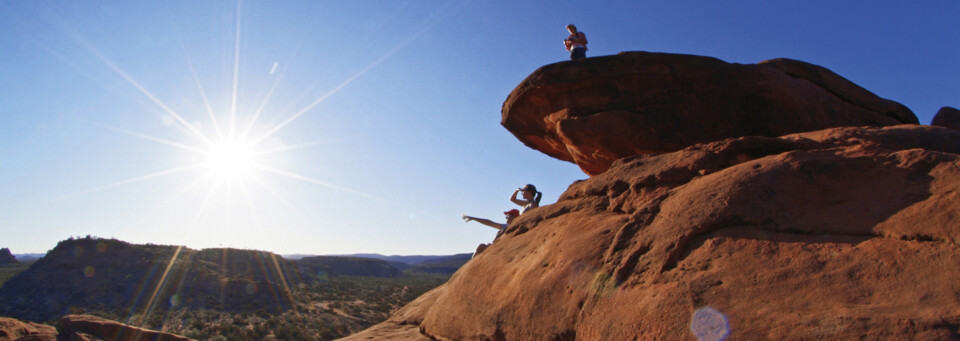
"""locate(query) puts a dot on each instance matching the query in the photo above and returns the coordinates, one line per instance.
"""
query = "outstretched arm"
(513, 198)
(487, 222)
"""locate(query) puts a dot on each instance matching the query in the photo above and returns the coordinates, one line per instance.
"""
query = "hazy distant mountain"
(347, 266)
(28, 257)
(412, 260)
(443, 265)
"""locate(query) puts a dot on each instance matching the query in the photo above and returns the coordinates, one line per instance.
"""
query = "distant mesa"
(347, 266)
(947, 117)
(436, 264)
(7, 258)
(601, 109)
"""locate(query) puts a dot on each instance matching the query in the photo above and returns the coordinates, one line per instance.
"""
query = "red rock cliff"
(839, 233)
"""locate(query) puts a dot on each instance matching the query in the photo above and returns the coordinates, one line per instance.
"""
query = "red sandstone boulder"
(601, 109)
(947, 117)
(844, 233)
(101, 328)
(13, 329)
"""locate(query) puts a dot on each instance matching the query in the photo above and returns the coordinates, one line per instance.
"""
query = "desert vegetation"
(212, 294)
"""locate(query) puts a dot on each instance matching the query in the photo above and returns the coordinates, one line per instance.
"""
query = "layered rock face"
(12, 329)
(72, 327)
(598, 110)
(701, 222)
(79, 327)
(840, 233)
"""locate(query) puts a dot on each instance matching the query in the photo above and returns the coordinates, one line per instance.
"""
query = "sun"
(230, 160)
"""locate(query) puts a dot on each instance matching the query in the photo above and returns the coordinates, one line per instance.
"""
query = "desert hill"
(7, 258)
(237, 294)
(749, 202)
(92, 272)
(346, 266)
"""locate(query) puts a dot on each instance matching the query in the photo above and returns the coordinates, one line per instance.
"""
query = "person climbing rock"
(530, 198)
(576, 43)
(509, 215)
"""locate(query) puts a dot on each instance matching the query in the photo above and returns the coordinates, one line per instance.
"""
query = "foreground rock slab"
(75, 326)
(843, 233)
(596, 111)
(13, 329)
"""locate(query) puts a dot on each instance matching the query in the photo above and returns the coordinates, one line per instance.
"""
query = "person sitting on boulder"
(509, 215)
(576, 43)
(531, 198)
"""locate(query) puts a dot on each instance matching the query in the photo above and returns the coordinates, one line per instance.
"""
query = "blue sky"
(381, 118)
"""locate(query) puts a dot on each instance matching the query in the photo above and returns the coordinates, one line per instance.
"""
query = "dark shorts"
(578, 53)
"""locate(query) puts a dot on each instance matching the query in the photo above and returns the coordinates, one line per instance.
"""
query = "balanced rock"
(843, 233)
(947, 117)
(595, 111)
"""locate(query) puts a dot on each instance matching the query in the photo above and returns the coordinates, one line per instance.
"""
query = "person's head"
(571, 28)
(528, 191)
(511, 214)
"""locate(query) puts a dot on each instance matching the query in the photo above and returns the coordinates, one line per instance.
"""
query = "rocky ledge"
(596, 111)
(839, 233)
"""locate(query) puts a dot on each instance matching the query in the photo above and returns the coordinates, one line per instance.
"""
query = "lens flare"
(709, 324)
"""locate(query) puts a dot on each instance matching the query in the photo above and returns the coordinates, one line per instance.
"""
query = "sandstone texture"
(841, 233)
(947, 117)
(13, 329)
(75, 326)
(596, 111)
(79, 327)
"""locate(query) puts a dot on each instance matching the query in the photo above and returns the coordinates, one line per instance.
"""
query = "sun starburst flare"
(231, 160)
(232, 147)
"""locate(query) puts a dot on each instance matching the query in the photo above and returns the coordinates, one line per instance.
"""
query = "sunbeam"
(151, 303)
(155, 139)
(206, 102)
(133, 180)
(171, 199)
(276, 82)
(315, 181)
(144, 91)
(308, 145)
(283, 281)
(286, 203)
(426, 27)
(236, 73)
